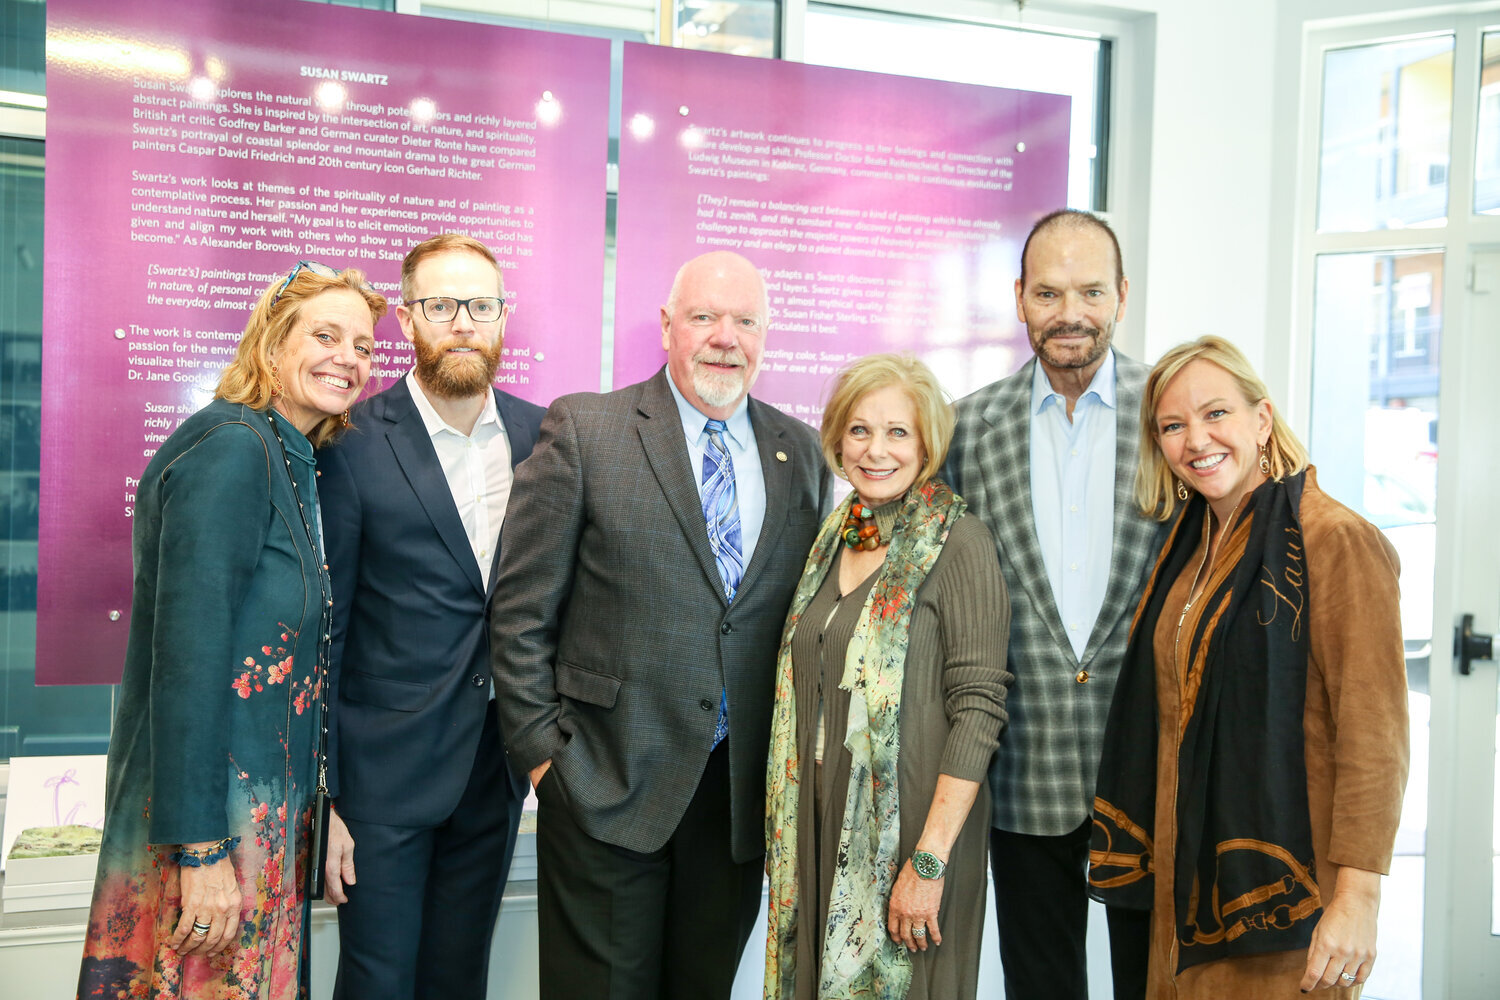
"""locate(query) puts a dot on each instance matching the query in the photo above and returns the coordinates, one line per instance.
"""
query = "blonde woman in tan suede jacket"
(1266, 663)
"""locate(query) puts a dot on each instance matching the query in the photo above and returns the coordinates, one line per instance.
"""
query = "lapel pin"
(781, 456)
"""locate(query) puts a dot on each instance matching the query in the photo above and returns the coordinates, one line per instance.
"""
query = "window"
(1487, 143)
(1386, 114)
(635, 19)
(740, 29)
(33, 720)
(963, 52)
(23, 33)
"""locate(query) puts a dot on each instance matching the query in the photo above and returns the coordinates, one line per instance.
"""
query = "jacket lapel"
(522, 437)
(660, 429)
(778, 478)
(518, 430)
(414, 453)
(1006, 453)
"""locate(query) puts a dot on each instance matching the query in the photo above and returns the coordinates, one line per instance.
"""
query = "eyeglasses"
(443, 309)
(323, 270)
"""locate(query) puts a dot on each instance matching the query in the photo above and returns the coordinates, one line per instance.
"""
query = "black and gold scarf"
(1244, 879)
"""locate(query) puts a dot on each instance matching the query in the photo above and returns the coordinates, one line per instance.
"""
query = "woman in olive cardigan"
(890, 701)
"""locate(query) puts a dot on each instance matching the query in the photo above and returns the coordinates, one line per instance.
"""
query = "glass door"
(1375, 405)
(1399, 257)
(1381, 388)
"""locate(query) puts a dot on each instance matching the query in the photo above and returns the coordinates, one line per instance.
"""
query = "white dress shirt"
(1073, 495)
(477, 467)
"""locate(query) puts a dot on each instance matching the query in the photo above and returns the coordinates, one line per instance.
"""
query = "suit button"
(478, 681)
(706, 705)
(726, 628)
(1082, 677)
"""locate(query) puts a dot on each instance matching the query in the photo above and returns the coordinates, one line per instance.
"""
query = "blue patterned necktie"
(721, 514)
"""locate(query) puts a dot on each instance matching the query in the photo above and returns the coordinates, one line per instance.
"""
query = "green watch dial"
(927, 865)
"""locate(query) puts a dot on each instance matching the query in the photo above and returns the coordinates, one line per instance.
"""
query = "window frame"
(1457, 238)
(1125, 145)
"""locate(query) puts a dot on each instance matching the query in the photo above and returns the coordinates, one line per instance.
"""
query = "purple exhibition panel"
(195, 154)
(886, 213)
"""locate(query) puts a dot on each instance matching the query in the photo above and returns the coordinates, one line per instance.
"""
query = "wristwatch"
(927, 865)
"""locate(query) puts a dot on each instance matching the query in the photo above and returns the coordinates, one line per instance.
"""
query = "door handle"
(1469, 645)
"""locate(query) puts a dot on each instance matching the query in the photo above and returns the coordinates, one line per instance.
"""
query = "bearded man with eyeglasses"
(414, 496)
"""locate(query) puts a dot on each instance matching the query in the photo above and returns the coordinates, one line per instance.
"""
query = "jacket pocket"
(587, 685)
(383, 692)
(803, 516)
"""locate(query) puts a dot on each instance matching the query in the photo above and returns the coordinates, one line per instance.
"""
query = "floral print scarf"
(859, 958)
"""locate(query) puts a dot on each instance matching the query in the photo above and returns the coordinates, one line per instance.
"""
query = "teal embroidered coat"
(215, 732)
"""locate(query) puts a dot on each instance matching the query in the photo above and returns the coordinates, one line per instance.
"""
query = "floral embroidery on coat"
(137, 895)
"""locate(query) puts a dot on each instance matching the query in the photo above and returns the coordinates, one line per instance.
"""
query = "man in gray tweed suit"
(656, 539)
(1048, 457)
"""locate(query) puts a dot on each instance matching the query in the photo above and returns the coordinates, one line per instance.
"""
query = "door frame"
(1459, 956)
(1461, 885)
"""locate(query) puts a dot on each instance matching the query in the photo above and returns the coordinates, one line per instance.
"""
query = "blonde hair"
(878, 371)
(248, 378)
(444, 243)
(1155, 483)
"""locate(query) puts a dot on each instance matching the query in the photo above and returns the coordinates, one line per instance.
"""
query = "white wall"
(1212, 134)
(1192, 200)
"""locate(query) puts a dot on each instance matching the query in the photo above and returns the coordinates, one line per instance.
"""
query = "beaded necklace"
(868, 527)
(325, 614)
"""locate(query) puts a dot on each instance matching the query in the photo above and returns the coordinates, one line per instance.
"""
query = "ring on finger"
(199, 927)
(1348, 977)
(919, 931)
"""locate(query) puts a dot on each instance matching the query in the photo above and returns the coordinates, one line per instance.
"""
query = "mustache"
(733, 356)
(453, 342)
(1071, 330)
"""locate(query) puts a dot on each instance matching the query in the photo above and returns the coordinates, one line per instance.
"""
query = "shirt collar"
(1102, 386)
(435, 424)
(694, 420)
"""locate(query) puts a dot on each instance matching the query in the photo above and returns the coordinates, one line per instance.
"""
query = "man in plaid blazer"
(1048, 458)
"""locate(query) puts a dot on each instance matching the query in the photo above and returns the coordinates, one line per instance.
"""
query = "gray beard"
(1096, 350)
(718, 390)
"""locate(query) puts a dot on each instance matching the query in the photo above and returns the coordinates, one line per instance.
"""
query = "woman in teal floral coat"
(213, 762)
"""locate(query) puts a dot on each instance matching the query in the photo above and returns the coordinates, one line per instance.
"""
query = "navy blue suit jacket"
(411, 656)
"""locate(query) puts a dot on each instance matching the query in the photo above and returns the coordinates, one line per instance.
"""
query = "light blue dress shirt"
(1073, 495)
(749, 482)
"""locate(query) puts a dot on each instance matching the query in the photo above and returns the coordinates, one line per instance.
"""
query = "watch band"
(927, 865)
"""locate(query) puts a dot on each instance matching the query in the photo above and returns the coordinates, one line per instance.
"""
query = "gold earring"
(1182, 491)
(276, 387)
(1265, 462)
(344, 419)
